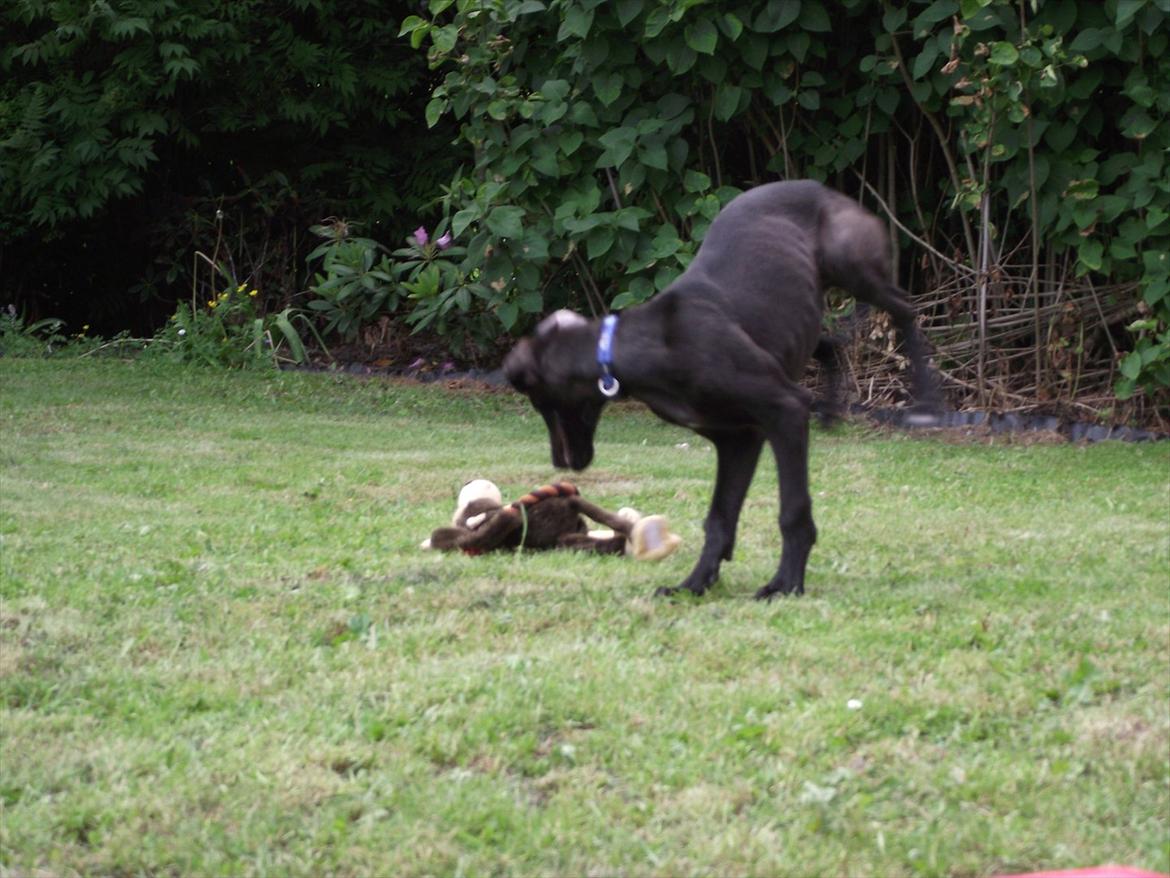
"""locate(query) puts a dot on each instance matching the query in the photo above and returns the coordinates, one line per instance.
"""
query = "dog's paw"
(677, 592)
(828, 413)
(922, 417)
(773, 589)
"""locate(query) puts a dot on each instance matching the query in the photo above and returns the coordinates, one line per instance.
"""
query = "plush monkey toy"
(548, 518)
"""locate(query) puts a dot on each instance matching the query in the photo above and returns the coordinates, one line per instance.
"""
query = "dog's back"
(758, 266)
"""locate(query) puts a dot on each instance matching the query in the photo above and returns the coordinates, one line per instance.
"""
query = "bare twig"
(955, 266)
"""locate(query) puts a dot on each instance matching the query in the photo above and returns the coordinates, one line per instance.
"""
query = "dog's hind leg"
(854, 255)
(924, 382)
(799, 533)
(738, 454)
(828, 407)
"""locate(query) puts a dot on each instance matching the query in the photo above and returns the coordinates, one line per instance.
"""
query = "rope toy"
(549, 517)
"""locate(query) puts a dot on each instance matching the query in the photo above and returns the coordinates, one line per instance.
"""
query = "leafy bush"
(136, 132)
(354, 284)
(1016, 139)
(229, 331)
(358, 282)
(445, 295)
(18, 339)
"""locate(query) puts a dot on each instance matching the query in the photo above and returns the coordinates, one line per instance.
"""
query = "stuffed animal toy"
(548, 518)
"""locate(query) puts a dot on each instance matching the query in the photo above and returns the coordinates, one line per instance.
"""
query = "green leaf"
(695, 181)
(555, 89)
(1082, 190)
(436, 107)
(1155, 291)
(813, 17)
(530, 302)
(777, 15)
(507, 314)
(702, 36)
(599, 241)
(1137, 123)
(627, 11)
(608, 87)
(619, 143)
(731, 25)
(654, 156)
(1090, 253)
(463, 219)
(290, 335)
(1086, 41)
(570, 140)
(1003, 54)
(552, 112)
(1060, 136)
(727, 101)
(544, 159)
(528, 7)
(938, 11)
(810, 99)
(1131, 365)
(671, 105)
(755, 51)
(445, 38)
(657, 21)
(1124, 388)
(576, 23)
(924, 63)
(505, 221)
(412, 23)
(893, 18)
(680, 57)
(1126, 10)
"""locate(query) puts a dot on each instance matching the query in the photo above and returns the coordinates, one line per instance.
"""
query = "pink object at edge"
(1094, 872)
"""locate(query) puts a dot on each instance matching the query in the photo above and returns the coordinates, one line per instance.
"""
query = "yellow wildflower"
(254, 293)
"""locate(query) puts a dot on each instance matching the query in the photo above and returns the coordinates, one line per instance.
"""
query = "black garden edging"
(1009, 422)
(993, 423)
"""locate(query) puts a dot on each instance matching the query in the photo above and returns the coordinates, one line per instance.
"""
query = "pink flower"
(421, 237)
(443, 241)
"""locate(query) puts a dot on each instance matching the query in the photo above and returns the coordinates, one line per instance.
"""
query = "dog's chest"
(685, 414)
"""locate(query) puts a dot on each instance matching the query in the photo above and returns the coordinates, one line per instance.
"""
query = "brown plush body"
(547, 518)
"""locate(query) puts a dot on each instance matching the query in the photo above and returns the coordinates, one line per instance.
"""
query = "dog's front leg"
(799, 533)
(737, 454)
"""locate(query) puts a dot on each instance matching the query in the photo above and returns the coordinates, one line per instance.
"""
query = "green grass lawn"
(222, 652)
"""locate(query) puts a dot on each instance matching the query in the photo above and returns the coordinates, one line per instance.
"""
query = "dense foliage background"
(576, 151)
(134, 133)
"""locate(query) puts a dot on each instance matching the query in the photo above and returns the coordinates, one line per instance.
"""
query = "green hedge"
(133, 132)
(608, 134)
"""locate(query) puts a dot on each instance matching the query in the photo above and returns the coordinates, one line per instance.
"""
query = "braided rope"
(544, 492)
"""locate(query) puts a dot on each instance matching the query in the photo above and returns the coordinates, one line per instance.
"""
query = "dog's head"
(555, 370)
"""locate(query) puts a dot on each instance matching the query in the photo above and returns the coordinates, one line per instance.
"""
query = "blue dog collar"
(607, 384)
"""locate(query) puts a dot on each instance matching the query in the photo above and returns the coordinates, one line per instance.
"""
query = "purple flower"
(443, 241)
(421, 237)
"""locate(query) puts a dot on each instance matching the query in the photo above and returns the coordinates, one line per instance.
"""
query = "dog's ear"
(520, 366)
(562, 319)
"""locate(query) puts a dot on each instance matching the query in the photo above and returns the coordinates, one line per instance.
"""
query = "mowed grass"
(222, 651)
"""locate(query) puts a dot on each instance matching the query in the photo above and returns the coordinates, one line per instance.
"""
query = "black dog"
(722, 351)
